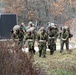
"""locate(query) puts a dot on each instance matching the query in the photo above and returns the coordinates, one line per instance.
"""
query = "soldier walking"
(64, 38)
(52, 39)
(30, 38)
(21, 37)
(42, 39)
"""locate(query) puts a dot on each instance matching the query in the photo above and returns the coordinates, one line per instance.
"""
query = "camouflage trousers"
(31, 47)
(66, 43)
(42, 49)
(52, 46)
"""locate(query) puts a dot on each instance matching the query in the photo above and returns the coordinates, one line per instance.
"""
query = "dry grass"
(15, 62)
(58, 64)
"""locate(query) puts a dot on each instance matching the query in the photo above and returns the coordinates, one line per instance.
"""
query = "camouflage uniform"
(14, 32)
(42, 39)
(23, 27)
(52, 28)
(30, 38)
(21, 37)
(33, 32)
(64, 39)
(51, 40)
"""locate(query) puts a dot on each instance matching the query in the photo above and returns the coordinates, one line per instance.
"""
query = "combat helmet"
(42, 28)
(22, 24)
(31, 24)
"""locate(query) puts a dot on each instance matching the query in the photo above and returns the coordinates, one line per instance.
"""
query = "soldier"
(30, 24)
(22, 25)
(21, 37)
(18, 33)
(24, 28)
(52, 39)
(68, 29)
(33, 32)
(14, 32)
(42, 39)
(30, 41)
(64, 37)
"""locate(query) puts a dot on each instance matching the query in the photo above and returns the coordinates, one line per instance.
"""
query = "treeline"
(57, 11)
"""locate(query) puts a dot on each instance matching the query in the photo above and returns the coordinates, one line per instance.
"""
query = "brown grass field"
(15, 62)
